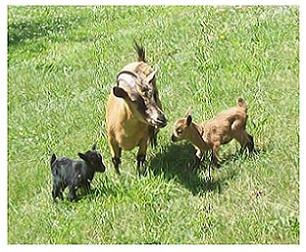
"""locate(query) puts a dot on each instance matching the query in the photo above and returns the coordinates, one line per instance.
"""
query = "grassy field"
(62, 63)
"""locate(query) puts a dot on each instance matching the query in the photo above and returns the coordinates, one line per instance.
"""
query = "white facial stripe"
(154, 114)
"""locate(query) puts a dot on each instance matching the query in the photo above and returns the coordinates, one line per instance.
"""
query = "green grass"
(62, 63)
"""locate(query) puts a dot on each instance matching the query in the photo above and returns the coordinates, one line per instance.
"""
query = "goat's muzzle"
(173, 138)
(101, 168)
(160, 121)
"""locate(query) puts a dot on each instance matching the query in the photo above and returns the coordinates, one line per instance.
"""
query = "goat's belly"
(128, 143)
(226, 139)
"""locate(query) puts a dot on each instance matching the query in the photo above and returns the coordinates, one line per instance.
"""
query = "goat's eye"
(144, 91)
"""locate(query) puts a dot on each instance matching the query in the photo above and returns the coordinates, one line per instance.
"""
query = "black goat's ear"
(188, 120)
(94, 146)
(83, 156)
(120, 92)
(53, 158)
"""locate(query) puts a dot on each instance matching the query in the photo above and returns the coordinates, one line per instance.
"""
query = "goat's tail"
(53, 158)
(140, 52)
(241, 103)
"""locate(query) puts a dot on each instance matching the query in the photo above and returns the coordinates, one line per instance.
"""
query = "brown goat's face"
(148, 108)
(181, 128)
(142, 103)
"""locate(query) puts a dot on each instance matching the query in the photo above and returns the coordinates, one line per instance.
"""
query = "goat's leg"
(87, 187)
(215, 158)
(57, 190)
(198, 158)
(246, 141)
(250, 144)
(116, 154)
(72, 194)
(60, 195)
(141, 156)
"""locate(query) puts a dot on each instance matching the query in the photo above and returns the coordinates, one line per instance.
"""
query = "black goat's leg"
(72, 193)
(87, 187)
(57, 189)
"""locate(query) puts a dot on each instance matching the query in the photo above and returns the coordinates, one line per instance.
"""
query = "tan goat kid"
(219, 130)
(134, 113)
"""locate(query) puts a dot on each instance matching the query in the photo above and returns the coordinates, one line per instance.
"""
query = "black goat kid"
(75, 173)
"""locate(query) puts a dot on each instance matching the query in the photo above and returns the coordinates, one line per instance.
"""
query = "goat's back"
(226, 124)
(71, 171)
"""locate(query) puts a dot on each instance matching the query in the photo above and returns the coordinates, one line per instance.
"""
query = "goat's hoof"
(215, 164)
(141, 171)
(73, 198)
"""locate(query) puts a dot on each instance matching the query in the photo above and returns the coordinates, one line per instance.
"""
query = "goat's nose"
(173, 139)
(162, 120)
(102, 168)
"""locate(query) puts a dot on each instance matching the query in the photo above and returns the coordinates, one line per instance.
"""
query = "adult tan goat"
(134, 112)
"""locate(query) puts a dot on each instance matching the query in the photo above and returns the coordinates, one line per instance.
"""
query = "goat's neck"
(130, 119)
(90, 171)
(195, 136)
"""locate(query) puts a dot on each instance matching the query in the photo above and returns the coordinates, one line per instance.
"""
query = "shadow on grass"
(21, 31)
(177, 162)
(239, 155)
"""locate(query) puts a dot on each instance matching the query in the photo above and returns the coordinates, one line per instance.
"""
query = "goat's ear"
(188, 112)
(53, 158)
(188, 120)
(120, 92)
(94, 146)
(83, 156)
(150, 77)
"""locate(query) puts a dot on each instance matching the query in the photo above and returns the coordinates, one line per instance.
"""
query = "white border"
(3, 123)
(152, 2)
(3, 129)
(302, 124)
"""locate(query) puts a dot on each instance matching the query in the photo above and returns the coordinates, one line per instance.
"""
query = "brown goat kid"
(134, 113)
(219, 130)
